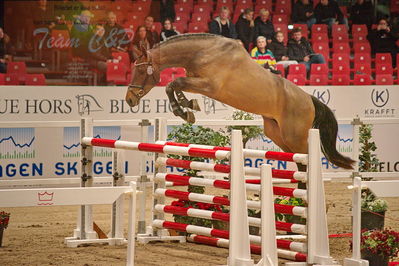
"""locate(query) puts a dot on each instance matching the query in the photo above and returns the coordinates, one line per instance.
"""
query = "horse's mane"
(187, 36)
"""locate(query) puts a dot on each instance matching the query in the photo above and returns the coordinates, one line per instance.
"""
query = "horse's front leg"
(191, 84)
(184, 102)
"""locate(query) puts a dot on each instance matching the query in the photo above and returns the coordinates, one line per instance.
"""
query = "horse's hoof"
(190, 118)
(194, 105)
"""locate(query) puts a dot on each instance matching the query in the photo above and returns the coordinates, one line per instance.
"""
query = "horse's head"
(145, 77)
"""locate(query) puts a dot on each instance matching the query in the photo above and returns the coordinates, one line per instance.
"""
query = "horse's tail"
(325, 121)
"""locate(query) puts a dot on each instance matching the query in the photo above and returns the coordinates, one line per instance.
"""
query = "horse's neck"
(176, 54)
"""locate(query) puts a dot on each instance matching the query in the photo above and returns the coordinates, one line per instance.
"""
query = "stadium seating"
(297, 79)
(362, 79)
(297, 69)
(383, 58)
(303, 28)
(383, 79)
(116, 73)
(383, 69)
(318, 80)
(319, 28)
(280, 68)
(195, 27)
(364, 68)
(11, 79)
(362, 47)
(319, 69)
(340, 79)
(35, 79)
(17, 68)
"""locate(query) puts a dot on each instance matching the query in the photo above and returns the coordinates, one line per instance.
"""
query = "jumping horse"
(221, 69)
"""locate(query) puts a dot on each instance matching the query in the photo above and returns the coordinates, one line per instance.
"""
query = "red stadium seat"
(200, 17)
(166, 77)
(341, 68)
(362, 47)
(322, 48)
(297, 79)
(2, 77)
(182, 17)
(243, 5)
(304, 29)
(297, 69)
(18, 68)
(280, 19)
(341, 48)
(383, 79)
(394, 8)
(116, 73)
(282, 10)
(320, 37)
(341, 37)
(319, 28)
(11, 79)
(184, 8)
(191, 2)
(123, 58)
(284, 5)
(319, 69)
(318, 80)
(203, 9)
(364, 68)
(359, 29)
(181, 27)
(338, 29)
(383, 58)
(383, 69)
(280, 68)
(340, 59)
(362, 79)
(205, 2)
(196, 27)
(266, 4)
(340, 79)
(359, 39)
(35, 79)
(179, 72)
(362, 58)
(157, 26)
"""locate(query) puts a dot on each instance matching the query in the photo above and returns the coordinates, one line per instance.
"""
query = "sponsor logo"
(87, 104)
(322, 95)
(380, 99)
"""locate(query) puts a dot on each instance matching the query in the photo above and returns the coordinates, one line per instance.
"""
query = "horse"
(221, 69)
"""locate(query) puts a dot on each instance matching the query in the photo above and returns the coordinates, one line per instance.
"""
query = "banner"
(41, 152)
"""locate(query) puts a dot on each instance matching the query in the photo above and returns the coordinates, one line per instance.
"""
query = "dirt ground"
(35, 236)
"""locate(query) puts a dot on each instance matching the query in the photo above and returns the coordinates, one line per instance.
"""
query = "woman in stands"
(264, 56)
(167, 30)
(141, 43)
(280, 50)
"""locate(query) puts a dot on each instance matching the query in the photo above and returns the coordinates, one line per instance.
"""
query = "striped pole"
(281, 191)
(274, 155)
(206, 231)
(157, 148)
(220, 216)
(223, 168)
(183, 195)
(255, 249)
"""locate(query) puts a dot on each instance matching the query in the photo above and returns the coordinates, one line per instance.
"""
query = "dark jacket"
(168, 33)
(331, 10)
(382, 41)
(115, 36)
(362, 14)
(153, 35)
(299, 12)
(265, 29)
(98, 50)
(278, 49)
(215, 27)
(244, 32)
(167, 10)
(298, 50)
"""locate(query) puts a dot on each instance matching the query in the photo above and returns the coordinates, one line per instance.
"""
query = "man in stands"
(245, 27)
(383, 41)
(114, 33)
(82, 31)
(280, 50)
(99, 54)
(303, 13)
(362, 13)
(149, 25)
(264, 26)
(222, 25)
(299, 49)
(328, 12)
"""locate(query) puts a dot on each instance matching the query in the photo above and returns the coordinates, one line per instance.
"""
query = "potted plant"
(248, 132)
(378, 246)
(373, 209)
(288, 217)
(4, 219)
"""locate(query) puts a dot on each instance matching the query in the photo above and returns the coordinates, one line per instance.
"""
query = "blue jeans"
(310, 23)
(314, 59)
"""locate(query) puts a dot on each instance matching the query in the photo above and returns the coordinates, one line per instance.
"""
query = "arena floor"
(35, 237)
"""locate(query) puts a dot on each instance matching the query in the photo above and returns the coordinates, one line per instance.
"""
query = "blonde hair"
(224, 8)
(264, 11)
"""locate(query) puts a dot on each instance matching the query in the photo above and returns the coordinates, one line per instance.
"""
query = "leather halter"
(150, 73)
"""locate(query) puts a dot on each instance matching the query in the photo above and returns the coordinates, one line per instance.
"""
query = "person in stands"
(362, 13)
(142, 42)
(280, 50)
(149, 25)
(383, 41)
(303, 13)
(299, 49)
(115, 32)
(222, 25)
(167, 30)
(261, 54)
(245, 27)
(264, 26)
(328, 12)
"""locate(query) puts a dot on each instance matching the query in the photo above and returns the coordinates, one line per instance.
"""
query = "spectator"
(5, 53)
(383, 41)
(141, 43)
(328, 12)
(245, 27)
(149, 25)
(299, 49)
(280, 50)
(262, 55)
(167, 10)
(99, 53)
(362, 13)
(115, 34)
(82, 31)
(222, 25)
(167, 30)
(264, 26)
(303, 13)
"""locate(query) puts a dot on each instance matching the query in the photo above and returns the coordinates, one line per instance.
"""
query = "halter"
(150, 72)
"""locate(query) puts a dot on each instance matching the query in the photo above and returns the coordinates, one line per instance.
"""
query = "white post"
(268, 225)
(142, 183)
(117, 207)
(356, 225)
(356, 146)
(132, 226)
(318, 243)
(239, 250)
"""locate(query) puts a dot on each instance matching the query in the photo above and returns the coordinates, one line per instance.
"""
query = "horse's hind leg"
(272, 131)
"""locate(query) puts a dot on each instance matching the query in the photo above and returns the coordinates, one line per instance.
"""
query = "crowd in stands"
(309, 42)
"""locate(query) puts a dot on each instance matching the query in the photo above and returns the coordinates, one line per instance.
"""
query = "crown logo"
(45, 196)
